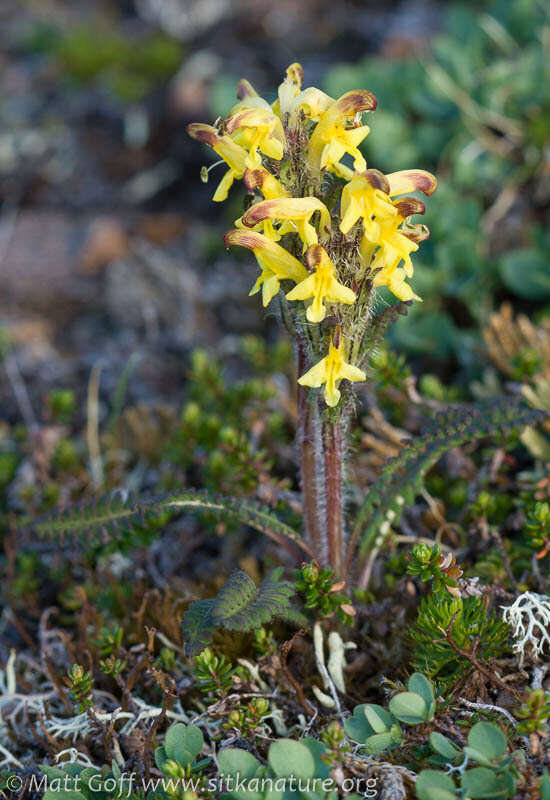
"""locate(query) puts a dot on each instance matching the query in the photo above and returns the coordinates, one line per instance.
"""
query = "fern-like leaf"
(108, 520)
(401, 478)
(239, 606)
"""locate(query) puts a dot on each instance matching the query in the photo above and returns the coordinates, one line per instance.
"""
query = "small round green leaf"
(409, 707)
(419, 684)
(487, 739)
(175, 744)
(287, 757)
(194, 739)
(357, 727)
(434, 785)
(481, 783)
(378, 718)
(233, 761)
(444, 746)
(378, 743)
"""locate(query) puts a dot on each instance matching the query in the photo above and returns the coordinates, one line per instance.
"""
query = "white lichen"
(529, 617)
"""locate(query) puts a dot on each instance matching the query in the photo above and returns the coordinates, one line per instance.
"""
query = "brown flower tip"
(257, 213)
(407, 206)
(245, 89)
(314, 255)
(356, 101)
(424, 181)
(203, 133)
(416, 233)
(254, 178)
(250, 239)
(377, 180)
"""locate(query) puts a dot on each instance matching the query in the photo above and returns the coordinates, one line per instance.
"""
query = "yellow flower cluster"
(284, 152)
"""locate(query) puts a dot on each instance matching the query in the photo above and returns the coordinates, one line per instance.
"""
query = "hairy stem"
(311, 466)
(333, 435)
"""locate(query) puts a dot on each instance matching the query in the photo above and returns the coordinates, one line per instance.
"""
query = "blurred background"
(111, 250)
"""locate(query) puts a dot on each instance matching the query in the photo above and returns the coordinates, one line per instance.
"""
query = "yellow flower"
(394, 245)
(257, 129)
(271, 189)
(366, 196)
(339, 131)
(322, 286)
(263, 180)
(233, 154)
(395, 281)
(274, 261)
(330, 371)
(288, 90)
(297, 210)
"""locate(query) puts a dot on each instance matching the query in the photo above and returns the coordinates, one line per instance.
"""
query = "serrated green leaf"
(197, 626)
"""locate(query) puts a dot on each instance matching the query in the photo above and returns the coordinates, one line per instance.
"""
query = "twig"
(286, 647)
(489, 707)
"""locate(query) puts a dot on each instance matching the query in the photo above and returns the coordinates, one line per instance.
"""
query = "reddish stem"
(332, 445)
(310, 466)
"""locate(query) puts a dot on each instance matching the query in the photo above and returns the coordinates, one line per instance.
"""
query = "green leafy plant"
(80, 683)
(213, 673)
(474, 632)
(239, 606)
(429, 564)
(496, 776)
(534, 713)
(177, 756)
(321, 592)
(294, 770)
(537, 527)
(379, 729)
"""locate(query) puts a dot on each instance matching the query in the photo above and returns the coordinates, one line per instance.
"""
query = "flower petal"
(275, 257)
(407, 206)
(338, 293)
(303, 290)
(350, 373)
(315, 376)
(410, 180)
(287, 208)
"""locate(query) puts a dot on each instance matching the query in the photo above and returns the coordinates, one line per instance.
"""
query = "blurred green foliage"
(479, 106)
(128, 66)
